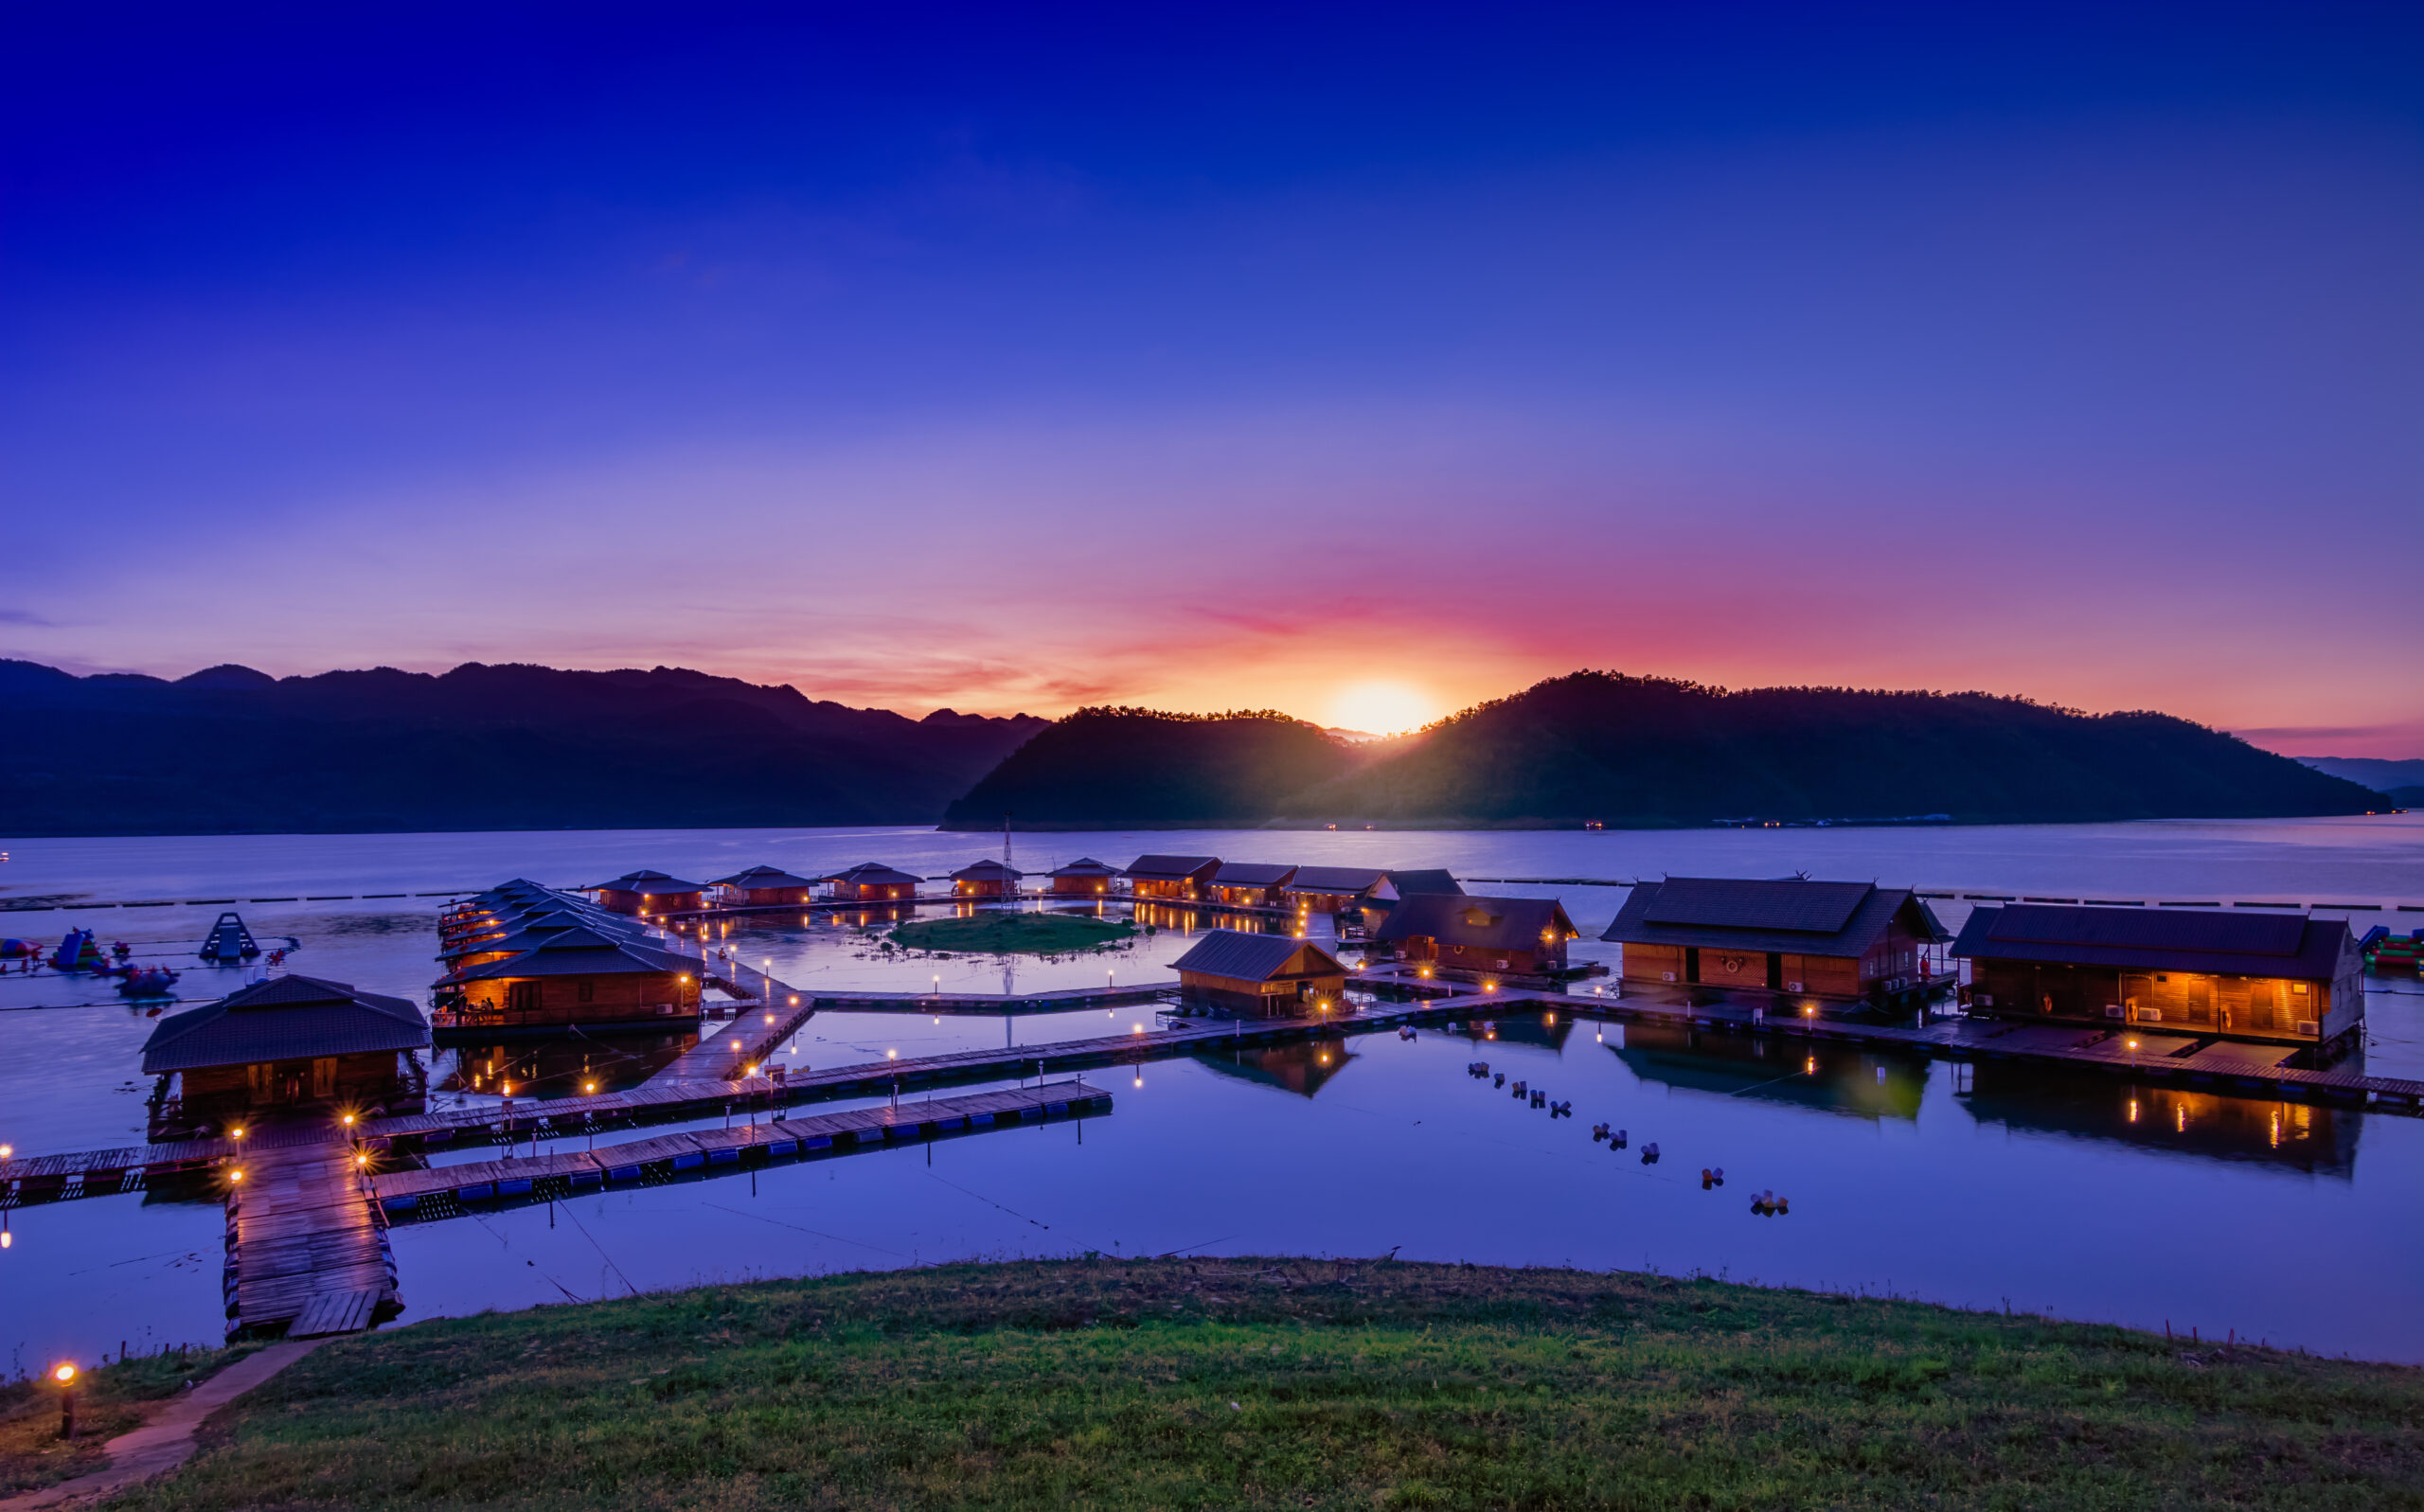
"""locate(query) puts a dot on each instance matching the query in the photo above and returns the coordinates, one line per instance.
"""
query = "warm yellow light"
(506, 1088)
(238, 1132)
(349, 1120)
(589, 1086)
(236, 1175)
(63, 1372)
(362, 1160)
(1382, 707)
(892, 1055)
(752, 1071)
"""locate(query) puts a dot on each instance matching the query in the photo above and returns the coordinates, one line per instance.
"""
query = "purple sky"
(1220, 358)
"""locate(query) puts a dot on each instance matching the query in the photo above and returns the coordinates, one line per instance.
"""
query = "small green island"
(1014, 933)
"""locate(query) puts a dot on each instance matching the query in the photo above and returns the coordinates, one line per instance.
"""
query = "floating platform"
(447, 1190)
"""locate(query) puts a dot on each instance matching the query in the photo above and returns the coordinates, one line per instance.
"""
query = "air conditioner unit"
(2150, 1015)
(2308, 1026)
(1667, 975)
(2113, 1010)
(1792, 986)
(1498, 966)
(1984, 1000)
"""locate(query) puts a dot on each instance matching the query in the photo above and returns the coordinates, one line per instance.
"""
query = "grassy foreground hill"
(1298, 1383)
(230, 749)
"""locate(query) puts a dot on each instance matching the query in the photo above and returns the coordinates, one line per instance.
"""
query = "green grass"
(1013, 933)
(1238, 1383)
(109, 1401)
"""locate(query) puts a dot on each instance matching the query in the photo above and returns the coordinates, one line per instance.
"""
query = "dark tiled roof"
(646, 883)
(1086, 866)
(579, 953)
(988, 870)
(1410, 883)
(2148, 939)
(1254, 957)
(1485, 923)
(762, 877)
(872, 874)
(1252, 874)
(1789, 916)
(1729, 902)
(286, 1018)
(1334, 878)
(1170, 868)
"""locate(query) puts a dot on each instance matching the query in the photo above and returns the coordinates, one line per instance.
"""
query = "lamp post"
(64, 1373)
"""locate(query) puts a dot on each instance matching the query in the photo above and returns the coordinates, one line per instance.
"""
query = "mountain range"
(1640, 751)
(230, 749)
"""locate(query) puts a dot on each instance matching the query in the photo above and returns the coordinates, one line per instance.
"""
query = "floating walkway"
(448, 1190)
(307, 1252)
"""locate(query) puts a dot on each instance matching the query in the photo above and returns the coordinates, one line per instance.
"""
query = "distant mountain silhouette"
(2371, 772)
(1651, 751)
(511, 747)
(1633, 751)
(1118, 766)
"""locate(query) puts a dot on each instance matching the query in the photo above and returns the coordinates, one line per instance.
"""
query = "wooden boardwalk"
(446, 1190)
(303, 1238)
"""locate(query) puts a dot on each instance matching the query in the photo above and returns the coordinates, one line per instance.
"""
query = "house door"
(1775, 972)
(1691, 963)
(323, 1079)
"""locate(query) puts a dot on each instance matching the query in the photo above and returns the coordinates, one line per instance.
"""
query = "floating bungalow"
(649, 892)
(1497, 939)
(1403, 883)
(1330, 889)
(763, 887)
(985, 879)
(1183, 878)
(1266, 975)
(870, 882)
(578, 978)
(1083, 878)
(1252, 884)
(2274, 978)
(529, 932)
(289, 1045)
(1833, 941)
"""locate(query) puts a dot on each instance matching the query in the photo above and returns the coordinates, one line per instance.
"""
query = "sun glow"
(1383, 709)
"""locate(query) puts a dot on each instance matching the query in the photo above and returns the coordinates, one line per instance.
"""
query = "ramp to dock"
(305, 1247)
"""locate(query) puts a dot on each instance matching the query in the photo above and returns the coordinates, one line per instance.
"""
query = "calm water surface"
(1979, 1186)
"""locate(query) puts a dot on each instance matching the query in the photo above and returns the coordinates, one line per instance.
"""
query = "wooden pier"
(447, 1190)
(307, 1251)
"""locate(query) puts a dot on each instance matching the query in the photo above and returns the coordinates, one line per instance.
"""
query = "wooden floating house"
(2240, 976)
(579, 978)
(1400, 883)
(289, 1043)
(1330, 889)
(1083, 878)
(1832, 941)
(870, 882)
(1251, 883)
(1184, 879)
(650, 892)
(985, 879)
(763, 887)
(1479, 938)
(1267, 975)
(529, 931)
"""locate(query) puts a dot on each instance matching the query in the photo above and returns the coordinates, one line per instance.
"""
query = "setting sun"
(1381, 708)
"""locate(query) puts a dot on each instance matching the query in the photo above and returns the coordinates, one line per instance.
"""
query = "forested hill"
(1651, 750)
(1633, 751)
(1116, 767)
(510, 747)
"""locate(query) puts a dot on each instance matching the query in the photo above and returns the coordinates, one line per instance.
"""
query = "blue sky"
(1223, 357)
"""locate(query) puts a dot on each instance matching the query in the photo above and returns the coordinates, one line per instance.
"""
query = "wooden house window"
(324, 1076)
(588, 991)
(522, 997)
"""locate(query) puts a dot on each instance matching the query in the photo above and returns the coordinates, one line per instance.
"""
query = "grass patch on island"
(998, 934)
(1296, 1384)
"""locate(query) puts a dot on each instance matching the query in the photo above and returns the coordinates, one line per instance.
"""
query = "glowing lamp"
(63, 1372)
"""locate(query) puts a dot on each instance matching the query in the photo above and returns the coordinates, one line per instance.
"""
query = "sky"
(1362, 362)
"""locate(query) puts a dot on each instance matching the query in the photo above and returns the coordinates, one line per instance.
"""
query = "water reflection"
(1302, 1068)
(2042, 1099)
(558, 1067)
(1832, 1078)
(1536, 1031)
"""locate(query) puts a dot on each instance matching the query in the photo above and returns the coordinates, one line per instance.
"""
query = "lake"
(1983, 1186)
